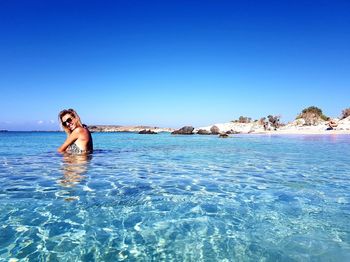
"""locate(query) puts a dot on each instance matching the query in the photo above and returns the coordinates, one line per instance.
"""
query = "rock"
(148, 132)
(232, 132)
(223, 135)
(215, 130)
(203, 132)
(186, 130)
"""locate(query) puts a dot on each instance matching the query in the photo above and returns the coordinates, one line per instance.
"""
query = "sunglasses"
(67, 122)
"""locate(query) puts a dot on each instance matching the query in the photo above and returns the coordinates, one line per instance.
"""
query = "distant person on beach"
(79, 140)
(332, 124)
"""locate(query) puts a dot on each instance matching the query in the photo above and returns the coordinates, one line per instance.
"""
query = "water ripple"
(249, 198)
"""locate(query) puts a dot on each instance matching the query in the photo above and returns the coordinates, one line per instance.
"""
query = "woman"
(79, 139)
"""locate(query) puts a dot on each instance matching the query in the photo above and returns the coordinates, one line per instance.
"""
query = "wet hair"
(73, 114)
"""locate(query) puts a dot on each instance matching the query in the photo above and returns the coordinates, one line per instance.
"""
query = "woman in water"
(79, 139)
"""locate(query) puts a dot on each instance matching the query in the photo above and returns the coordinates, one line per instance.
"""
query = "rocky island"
(134, 129)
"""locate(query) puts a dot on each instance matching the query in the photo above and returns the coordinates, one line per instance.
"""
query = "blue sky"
(171, 63)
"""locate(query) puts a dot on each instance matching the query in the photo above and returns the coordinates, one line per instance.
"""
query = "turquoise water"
(175, 198)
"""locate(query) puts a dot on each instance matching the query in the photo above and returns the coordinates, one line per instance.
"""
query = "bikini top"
(74, 149)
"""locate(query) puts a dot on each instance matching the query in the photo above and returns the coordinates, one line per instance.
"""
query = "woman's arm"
(70, 140)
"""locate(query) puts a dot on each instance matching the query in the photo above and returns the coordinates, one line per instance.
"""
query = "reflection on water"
(74, 167)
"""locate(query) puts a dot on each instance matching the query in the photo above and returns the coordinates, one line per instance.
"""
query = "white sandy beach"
(296, 127)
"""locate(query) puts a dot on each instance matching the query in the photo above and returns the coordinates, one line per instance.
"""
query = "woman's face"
(69, 121)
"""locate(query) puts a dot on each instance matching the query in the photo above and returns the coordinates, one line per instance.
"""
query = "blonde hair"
(73, 114)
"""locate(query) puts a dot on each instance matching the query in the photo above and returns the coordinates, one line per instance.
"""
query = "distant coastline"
(308, 122)
(295, 127)
(134, 129)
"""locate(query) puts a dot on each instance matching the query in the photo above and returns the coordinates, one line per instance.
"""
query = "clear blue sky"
(171, 63)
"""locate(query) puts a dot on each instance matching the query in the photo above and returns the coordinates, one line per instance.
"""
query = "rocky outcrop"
(203, 132)
(234, 128)
(186, 130)
(147, 132)
(311, 120)
(223, 135)
(215, 130)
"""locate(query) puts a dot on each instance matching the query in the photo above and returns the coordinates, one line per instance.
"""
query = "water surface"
(175, 198)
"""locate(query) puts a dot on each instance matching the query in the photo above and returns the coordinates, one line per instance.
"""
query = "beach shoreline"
(227, 128)
(296, 127)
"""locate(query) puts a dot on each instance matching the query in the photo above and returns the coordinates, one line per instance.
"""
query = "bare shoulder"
(81, 131)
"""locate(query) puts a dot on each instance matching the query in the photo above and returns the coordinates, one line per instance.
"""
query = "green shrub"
(312, 115)
(312, 109)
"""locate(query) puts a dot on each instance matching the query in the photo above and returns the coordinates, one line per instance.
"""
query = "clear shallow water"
(175, 198)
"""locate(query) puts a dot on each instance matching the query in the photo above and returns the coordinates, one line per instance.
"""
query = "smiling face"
(69, 121)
